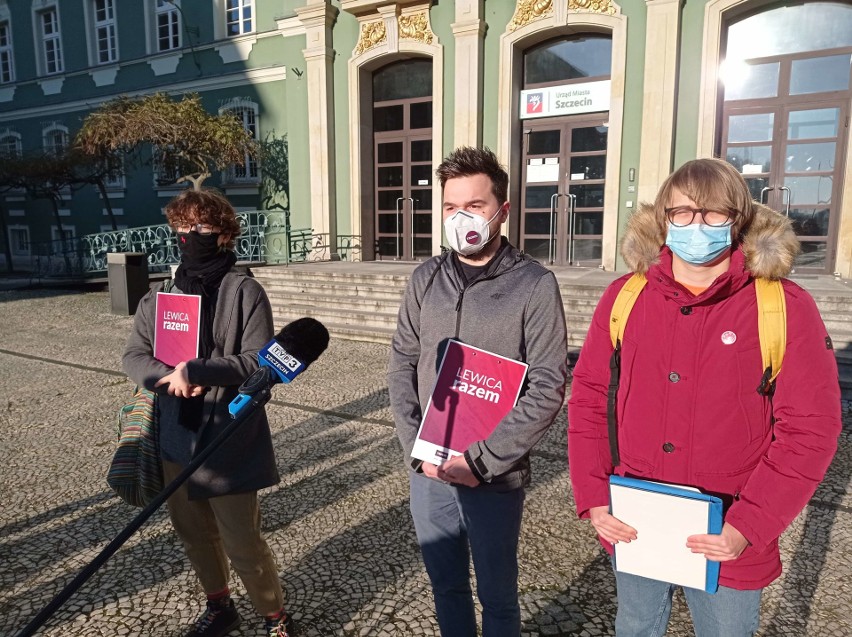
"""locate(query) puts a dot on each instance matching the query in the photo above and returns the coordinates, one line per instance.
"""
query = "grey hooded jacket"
(241, 327)
(515, 310)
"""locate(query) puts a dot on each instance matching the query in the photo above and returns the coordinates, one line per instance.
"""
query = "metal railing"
(265, 237)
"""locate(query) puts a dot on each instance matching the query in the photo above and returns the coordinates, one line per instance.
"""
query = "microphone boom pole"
(256, 401)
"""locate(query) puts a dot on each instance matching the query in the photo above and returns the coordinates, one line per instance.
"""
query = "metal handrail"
(265, 237)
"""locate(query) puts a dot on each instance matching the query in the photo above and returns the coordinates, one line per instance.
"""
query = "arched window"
(402, 146)
(55, 139)
(10, 144)
(797, 31)
(246, 112)
(565, 105)
(568, 59)
(786, 94)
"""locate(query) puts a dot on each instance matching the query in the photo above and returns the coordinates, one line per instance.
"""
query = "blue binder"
(714, 518)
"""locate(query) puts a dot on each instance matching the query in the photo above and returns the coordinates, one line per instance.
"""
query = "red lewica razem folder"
(473, 392)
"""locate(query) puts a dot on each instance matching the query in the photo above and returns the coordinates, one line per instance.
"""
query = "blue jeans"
(455, 522)
(644, 606)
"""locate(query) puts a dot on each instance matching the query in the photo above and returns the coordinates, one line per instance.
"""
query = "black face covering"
(198, 248)
(203, 265)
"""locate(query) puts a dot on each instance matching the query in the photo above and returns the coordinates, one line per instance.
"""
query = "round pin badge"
(472, 237)
(729, 338)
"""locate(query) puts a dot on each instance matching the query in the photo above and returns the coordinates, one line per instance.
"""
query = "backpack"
(772, 330)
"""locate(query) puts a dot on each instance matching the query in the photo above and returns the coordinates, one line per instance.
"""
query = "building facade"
(589, 104)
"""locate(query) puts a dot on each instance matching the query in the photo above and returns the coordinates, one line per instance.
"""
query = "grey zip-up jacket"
(515, 310)
(241, 327)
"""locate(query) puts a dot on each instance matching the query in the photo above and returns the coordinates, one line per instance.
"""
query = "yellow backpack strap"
(772, 329)
(624, 303)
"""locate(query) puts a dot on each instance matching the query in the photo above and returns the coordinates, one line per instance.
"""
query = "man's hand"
(430, 470)
(610, 528)
(728, 545)
(457, 471)
(178, 382)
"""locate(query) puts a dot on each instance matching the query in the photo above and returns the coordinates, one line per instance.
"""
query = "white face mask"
(468, 233)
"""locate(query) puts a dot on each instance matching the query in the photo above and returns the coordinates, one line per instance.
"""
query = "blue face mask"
(698, 243)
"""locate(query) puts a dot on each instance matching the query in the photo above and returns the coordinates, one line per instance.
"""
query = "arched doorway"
(402, 151)
(785, 102)
(565, 111)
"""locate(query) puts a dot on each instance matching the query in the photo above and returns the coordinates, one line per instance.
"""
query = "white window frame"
(48, 41)
(156, 170)
(103, 32)
(232, 19)
(7, 51)
(48, 145)
(171, 12)
(5, 137)
(24, 251)
(118, 183)
(248, 112)
(69, 233)
(105, 227)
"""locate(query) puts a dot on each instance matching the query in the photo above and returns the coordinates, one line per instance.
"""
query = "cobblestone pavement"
(338, 523)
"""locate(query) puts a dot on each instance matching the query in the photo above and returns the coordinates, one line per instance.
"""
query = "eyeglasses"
(200, 228)
(684, 216)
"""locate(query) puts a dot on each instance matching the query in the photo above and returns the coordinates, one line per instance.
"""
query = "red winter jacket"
(688, 409)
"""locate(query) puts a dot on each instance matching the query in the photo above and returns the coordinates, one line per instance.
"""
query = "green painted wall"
(632, 124)
(689, 78)
(497, 16)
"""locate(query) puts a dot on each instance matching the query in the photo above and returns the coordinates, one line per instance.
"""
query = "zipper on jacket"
(458, 311)
(462, 290)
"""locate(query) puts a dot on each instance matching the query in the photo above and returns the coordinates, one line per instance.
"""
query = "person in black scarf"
(216, 512)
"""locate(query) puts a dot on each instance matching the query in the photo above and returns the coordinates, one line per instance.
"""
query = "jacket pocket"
(726, 484)
(633, 438)
(754, 408)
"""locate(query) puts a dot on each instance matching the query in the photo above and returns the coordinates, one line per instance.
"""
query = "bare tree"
(188, 141)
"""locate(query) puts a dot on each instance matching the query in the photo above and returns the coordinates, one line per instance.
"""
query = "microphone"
(283, 358)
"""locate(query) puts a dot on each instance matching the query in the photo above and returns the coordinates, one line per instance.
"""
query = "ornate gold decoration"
(415, 27)
(529, 10)
(372, 34)
(595, 6)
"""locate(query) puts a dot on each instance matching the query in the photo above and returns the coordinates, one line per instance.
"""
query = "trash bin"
(127, 273)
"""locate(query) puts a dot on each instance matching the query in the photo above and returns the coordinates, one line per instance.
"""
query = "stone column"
(469, 31)
(658, 105)
(318, 17)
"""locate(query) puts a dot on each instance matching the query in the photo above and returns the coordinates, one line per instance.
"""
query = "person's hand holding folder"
(728, 545)
(610, 527)
(456, 471)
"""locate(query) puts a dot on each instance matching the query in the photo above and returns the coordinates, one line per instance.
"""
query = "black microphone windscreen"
(305, 339)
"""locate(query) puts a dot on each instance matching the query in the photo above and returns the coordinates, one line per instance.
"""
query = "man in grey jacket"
(487, 294)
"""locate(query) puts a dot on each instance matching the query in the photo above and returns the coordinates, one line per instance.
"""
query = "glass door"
(562, 190)
(402, 148)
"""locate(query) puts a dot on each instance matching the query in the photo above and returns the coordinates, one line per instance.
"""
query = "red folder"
(473, 392)
(178, 317)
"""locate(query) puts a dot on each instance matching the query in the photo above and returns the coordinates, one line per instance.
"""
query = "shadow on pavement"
(803, 575)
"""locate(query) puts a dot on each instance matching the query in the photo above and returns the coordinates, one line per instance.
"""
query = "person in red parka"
(688, 410)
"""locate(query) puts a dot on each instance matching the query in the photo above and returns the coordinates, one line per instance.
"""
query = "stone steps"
(362, 304)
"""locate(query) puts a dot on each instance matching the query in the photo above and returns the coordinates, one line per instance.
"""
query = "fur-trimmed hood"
(770, 245)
